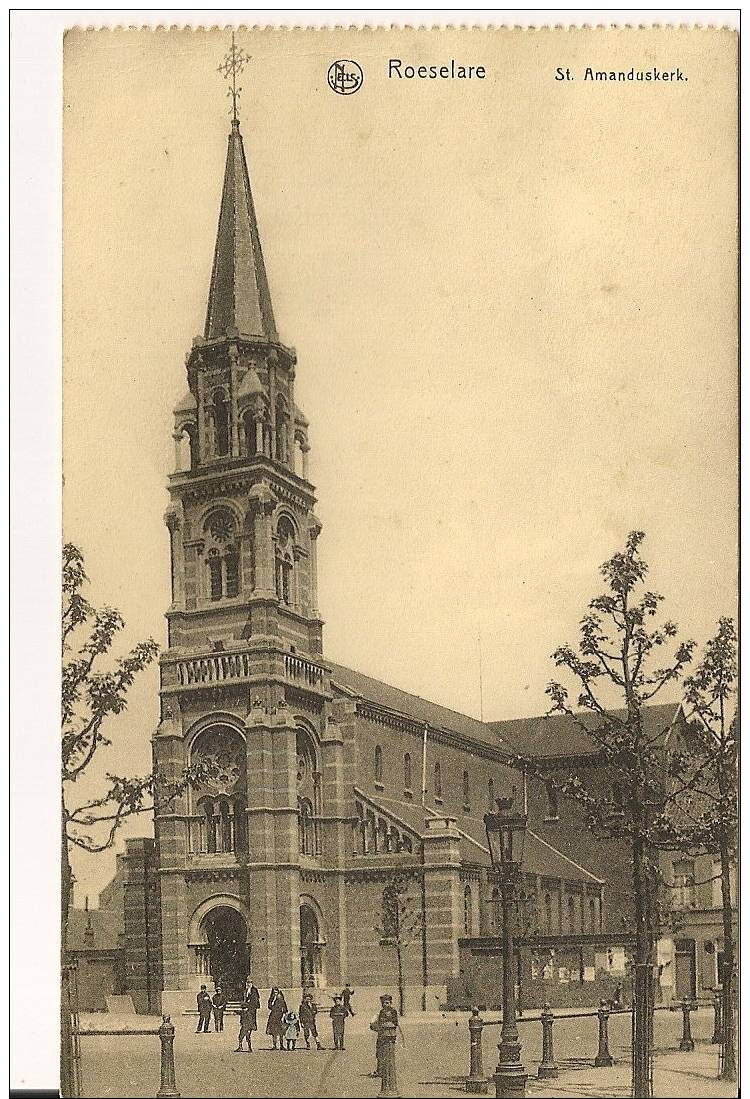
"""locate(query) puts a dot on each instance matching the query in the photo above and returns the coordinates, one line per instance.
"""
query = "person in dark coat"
(248, 1023)
(346, 995)
(308, 1009)
(219, 1002)
(251, 995)
(277, 1010)
(387, 1014)
(204, 1011)
(338, 1021)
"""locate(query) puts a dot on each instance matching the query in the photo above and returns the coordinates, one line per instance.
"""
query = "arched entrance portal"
(229, 956)
(311, 947)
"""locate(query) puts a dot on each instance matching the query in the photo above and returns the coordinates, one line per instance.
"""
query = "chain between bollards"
(687, 1044)
(476, 1081)
(168, 1089)
(603, 1058)
(547, 1069)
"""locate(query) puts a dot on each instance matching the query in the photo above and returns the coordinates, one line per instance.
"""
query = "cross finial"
(230, 68)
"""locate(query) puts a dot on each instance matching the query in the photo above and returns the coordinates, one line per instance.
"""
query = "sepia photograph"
(399, 562)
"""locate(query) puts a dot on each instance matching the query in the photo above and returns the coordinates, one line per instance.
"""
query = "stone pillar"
(171, 839)
(261, 855)
(173, 519)
(305, 449)
(315, 527)
(286, 846)
(262, 505)
(442, 866)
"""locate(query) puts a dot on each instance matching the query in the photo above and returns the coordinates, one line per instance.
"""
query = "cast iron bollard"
(687, 1044)
(547, 1069)
(387, 1065)
(603, 1058)
(476, 1081)
(716, 1037)
(168, 1089)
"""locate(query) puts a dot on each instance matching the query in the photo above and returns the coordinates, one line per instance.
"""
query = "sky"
(514, 308)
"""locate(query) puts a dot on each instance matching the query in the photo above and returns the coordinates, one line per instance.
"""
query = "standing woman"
(277, 1008)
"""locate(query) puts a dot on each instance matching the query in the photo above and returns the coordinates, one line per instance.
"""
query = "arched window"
(306, 828)
(218, 823)
(491, 796)
(467, 792)
(378, 765)
(220, 416)
(553, 807)
(249, 435)
(390, 926)
(284, 560)
(468, 920)
(495, 910)
(281, 430)
(407, 772)
(438, 784)
(548, 913)
(232, 569)
(214, 574)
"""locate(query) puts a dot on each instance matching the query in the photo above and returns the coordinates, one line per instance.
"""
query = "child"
(338, 1020)
(248, 1023)
(291, 1034)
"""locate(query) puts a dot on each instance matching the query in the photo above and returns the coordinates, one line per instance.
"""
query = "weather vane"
(230, 68)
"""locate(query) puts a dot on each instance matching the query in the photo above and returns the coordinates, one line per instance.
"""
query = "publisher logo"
(345, 77)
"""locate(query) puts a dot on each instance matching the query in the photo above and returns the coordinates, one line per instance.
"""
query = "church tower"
(243, 683)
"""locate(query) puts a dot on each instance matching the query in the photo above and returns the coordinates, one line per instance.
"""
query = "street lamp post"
(506, 832)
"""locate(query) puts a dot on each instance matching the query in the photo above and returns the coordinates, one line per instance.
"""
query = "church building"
(342, 825)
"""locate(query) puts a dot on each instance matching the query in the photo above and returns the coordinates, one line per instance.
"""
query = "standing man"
(248, 1023)
(346, 996)
(387, 1014)
(204, 1011)
(219, 1002)
(338, 1021)
(251, 995)
(308, 1009)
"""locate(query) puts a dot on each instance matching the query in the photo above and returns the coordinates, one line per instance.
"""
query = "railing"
(213, 668)
(304, 671)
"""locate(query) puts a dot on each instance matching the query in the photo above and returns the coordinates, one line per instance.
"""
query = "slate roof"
(104, 926)
(238, 297)
(411, 706)
(559, 736)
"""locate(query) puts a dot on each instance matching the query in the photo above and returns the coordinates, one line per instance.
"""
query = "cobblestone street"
(433, 1062)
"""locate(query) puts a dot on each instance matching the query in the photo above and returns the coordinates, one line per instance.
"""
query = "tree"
(400, 926)
(91, 695)
(618, 674)
(706, 817)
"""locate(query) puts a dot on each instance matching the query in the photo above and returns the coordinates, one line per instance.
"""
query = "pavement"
(432, 1061)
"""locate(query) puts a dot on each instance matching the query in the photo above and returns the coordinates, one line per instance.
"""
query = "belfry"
(339, 833)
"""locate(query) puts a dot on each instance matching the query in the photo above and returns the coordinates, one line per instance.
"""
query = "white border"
(35, 343)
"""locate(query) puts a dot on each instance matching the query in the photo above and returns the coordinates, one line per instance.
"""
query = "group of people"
(285, 1027)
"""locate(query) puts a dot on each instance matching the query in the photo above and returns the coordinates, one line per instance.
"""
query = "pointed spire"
(238, 297)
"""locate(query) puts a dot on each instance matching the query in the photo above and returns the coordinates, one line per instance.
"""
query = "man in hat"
(338, 1021)
(204, 1010)
(387, 1014)
(308, 1009)
(346, 996)
(219, 1002)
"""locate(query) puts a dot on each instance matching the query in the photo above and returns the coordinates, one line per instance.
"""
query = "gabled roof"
(411, 706)
(238, 297)
(560, 736)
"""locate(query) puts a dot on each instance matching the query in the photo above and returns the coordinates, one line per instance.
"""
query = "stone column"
(442, 867)
(173, 519)
(263, 505)
(315, 527)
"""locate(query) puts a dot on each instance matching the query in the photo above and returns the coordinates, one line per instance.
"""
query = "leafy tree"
(401, 925)
(619, 669)
(706, 816)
